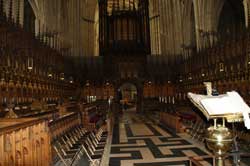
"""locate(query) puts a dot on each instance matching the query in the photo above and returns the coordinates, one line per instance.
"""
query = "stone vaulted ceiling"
(176, 26)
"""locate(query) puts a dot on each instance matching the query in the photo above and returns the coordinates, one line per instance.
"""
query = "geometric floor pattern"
(138, 142)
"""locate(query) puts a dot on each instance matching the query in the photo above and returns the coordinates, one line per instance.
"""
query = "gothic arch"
(206, 18)
(25, 156)
(37, 151)
(18, 158)
(11, 162)
(189, 28)
(42, 141)
(29, 17)
(231, 17)
(35, 8)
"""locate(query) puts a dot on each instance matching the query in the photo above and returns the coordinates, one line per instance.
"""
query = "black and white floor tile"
(138, 142)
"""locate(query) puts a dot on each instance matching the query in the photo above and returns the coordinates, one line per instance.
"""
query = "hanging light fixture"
(30, 63)
(50, 72)
(62, 76)
(221, 67)
(71, 80)
(190, 76)
(180, 80)
(87, 84)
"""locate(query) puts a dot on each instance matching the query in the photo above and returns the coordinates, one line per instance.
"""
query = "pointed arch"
(231, 17)
(29, 23)
(18, 159)
(188, 27)
(35, 8)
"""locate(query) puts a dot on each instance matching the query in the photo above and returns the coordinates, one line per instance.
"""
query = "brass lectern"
(230, 108)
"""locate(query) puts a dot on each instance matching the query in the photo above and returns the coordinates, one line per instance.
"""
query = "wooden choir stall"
(54, 138)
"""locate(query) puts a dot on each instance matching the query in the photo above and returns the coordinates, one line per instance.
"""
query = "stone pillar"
(139, 104)
(10, 14)
(246, 11)
(6, 5)
(21, 12)
(18, 12)
(37, 26)
(14, 10)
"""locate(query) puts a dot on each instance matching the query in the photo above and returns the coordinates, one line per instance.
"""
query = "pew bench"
(171, 120)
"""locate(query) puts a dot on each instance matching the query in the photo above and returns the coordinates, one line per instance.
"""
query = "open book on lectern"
(225, 105)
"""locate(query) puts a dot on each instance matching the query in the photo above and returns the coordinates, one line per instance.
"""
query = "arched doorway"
(129, 93)
(128, 96)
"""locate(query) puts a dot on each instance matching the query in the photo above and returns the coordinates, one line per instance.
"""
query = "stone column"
(37, 26)
(6, 5)
(15, 10)
(246, 10)
(21, 12)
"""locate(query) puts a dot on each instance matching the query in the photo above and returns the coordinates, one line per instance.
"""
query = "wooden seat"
(76, 142)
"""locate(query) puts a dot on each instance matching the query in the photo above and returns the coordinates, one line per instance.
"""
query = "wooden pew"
(171, 120)
(94, 114)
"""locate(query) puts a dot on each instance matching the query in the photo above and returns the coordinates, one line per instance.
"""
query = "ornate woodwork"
(24, 142)
(28, 141)
(226, 65)
(25, 60)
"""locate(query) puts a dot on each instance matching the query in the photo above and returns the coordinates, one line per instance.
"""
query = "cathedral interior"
(108, 82)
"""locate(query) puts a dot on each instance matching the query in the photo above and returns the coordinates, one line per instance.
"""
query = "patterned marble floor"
(138, 142)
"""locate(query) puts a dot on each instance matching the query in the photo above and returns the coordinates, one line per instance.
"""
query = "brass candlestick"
(219, 140)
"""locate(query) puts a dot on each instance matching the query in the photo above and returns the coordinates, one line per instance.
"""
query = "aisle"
(138, 142)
